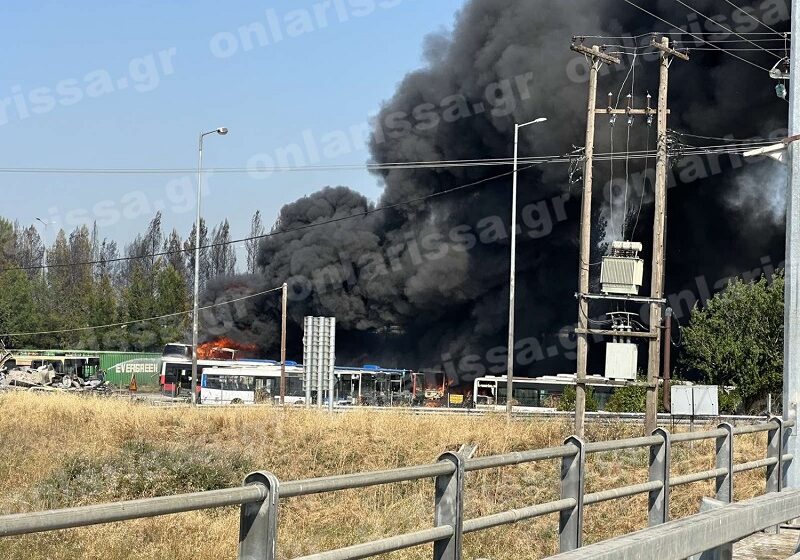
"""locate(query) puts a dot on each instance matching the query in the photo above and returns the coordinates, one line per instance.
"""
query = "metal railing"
(261, 493)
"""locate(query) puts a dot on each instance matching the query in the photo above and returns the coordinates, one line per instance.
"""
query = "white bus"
(533, 392)
(250, 385)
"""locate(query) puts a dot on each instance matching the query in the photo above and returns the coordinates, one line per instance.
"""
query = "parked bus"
(83, 366)
(176, 373)
(534, 392)
(250, 385)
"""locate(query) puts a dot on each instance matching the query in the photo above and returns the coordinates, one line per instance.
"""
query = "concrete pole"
(585, 252)
(196, 290)
(791, 362)
(512, 281)
(659, 245)
(284, 298)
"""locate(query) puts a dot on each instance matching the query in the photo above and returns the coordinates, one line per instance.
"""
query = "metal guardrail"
(696, 534)
(261, 493)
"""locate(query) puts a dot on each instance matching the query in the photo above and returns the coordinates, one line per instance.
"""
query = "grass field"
(60, 450)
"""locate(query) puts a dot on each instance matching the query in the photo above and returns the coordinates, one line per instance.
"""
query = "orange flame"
(223, 349)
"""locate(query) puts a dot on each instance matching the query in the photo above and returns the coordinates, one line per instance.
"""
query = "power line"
(754, 18)
(651, 33)
(433, 164)
(531, 162)
(273, 233)
(694, 35)
(126, 323)
(728, 49)
(718, 24)
(644, 184)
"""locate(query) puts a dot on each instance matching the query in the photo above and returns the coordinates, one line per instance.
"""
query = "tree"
(189, 246)
(17, 307)
(223, 257)
(29, 251)
(171, 297)
(737, 339)
(256, 230)
(176, 257)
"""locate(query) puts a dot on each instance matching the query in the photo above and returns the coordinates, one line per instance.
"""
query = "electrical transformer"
(622, 271)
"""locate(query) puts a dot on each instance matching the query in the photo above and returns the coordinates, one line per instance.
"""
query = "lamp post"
(512, 281)
(222, 132)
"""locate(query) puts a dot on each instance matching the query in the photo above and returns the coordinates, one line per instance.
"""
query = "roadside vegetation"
(62, 450)
(736, 340)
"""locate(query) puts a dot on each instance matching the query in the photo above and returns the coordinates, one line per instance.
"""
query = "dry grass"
(48, 441)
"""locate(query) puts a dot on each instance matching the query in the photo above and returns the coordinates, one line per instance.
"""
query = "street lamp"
(222, 132)
(512, 281)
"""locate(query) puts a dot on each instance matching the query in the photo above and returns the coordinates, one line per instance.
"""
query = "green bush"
(729, 402)
(628, 399)
(737, 339)
(632, 398)
(140, 470)
(567, 401)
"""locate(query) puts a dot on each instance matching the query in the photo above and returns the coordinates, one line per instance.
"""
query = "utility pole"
(596, 58)
(791, 359)
(659, 236)
(284, 298)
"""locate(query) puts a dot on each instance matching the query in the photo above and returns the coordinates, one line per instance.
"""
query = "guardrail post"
(787, 432)
(775, 450)
(775, 472)
(449, 508)
(258, 521)
(724, 483)
(570, 522)
(660, 459)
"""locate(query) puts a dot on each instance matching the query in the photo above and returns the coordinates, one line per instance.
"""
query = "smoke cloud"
(420, 282)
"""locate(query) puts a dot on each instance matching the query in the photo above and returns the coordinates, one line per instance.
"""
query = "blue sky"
(130, 84)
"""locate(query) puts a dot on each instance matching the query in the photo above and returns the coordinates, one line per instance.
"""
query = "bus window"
(212, 382)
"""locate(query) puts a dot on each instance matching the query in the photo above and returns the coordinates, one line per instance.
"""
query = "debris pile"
(46, 378)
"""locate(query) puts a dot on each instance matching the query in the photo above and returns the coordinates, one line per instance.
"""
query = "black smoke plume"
(425, 284)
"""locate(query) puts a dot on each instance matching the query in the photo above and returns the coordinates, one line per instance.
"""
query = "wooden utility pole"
(596, 58)
(659, 235)
(655, 300)
(284, 299)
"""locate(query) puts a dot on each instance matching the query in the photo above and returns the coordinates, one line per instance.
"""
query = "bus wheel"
(237, 401)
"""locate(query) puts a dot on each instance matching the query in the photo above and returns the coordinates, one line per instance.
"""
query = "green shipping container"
(119, 366)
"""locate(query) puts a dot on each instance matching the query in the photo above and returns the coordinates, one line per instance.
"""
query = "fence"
(261, 493)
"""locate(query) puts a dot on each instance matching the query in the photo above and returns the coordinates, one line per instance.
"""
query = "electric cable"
(273, 233)
(630, 2)
(644, 182)
(718, 24)
(126, 323)
(754, 18)
(692, 150)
